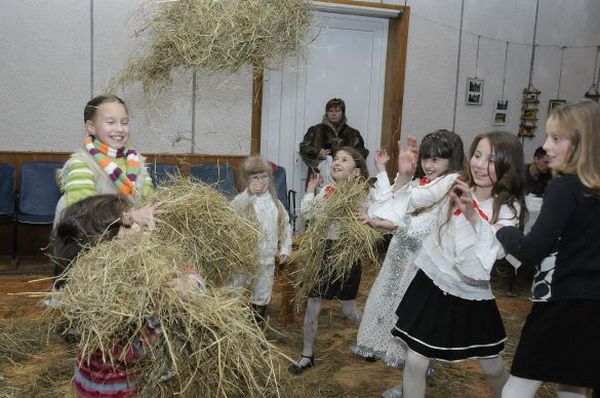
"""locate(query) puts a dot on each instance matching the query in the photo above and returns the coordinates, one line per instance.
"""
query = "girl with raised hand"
(441, 156)
(348, 163)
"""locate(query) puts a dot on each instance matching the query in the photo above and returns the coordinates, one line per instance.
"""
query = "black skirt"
(343, 288)
(441, 326)
(560, 343)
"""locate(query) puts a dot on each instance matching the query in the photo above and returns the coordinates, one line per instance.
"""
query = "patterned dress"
(374, 337)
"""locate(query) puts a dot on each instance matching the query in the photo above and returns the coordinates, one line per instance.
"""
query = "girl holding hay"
(559, 341)
(85, 224)
(348, 164)
(107, 165)
(259, 202)
(448, 312)
(441, 157)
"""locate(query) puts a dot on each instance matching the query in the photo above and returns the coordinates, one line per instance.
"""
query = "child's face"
(110, 125)
(557, 146)
(259, 183)
(434, 167)
(343, 167)
(482, 165)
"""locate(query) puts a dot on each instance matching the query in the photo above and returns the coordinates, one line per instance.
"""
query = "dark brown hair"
(359, 161)
(85, 224)
(443, 144)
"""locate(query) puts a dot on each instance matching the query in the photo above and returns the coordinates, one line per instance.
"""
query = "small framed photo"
(500, 112)
(499, 118)
(474, 91)
(502, 105)
(553, 103)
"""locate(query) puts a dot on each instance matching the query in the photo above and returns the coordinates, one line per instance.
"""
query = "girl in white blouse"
(448, 312)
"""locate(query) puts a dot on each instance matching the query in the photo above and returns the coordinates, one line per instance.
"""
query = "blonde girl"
(559, 342)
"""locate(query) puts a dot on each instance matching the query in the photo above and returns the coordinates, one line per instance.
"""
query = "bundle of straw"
(209, 344)
(215, 239)
(356, 242)
(213, 35)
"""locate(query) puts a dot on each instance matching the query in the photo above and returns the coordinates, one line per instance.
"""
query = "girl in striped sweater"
(106, 165)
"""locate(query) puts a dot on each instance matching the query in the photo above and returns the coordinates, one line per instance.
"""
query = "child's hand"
(144, 216)
(407, 159)
(313, 183)
(381, 159)
(183, 286)
(463, 199)
(362, 217)
(323, 153)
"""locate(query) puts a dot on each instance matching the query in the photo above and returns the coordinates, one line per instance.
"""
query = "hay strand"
(209, 344)
(212, 35)
(215, 239)
(355, 243)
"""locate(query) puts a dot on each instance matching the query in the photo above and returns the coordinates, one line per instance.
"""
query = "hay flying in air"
(215, 239)
(209, 344)
(356, 242)
(213, 35)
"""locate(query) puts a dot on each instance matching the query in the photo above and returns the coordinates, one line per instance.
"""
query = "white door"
(344, 57)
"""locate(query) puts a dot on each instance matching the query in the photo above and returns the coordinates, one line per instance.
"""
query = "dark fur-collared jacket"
(325, 136)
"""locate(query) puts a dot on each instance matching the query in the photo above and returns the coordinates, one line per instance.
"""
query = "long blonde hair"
(579, 122)
(257, 165)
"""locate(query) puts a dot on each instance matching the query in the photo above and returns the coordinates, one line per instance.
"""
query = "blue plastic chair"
(219, 175)
(280, 183)
(38, 193)
(162, 173)
(7, 190)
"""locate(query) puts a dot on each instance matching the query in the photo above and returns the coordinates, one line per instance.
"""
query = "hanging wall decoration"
(593, 92)
(529, 111)
(530, 102)
(553, 103)
(501, 110)
(474, 84)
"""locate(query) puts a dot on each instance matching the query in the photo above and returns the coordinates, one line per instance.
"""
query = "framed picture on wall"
(474, 91)
(553, 103)
(500, 112)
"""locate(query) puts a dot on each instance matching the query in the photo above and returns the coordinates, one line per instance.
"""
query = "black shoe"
(370, 359)
(296, 369)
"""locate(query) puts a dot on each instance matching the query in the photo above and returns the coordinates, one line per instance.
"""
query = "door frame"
(393, 94)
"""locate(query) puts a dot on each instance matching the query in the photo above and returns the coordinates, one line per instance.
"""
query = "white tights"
(416, 366)
(311, 322)
(517, 387)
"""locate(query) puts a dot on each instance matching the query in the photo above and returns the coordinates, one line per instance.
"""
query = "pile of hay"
(33, 362)
(356, 242)
(209, 345)
(213, 35)
(214, 238)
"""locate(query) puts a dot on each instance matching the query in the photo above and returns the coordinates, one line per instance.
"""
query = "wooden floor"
(338, 373)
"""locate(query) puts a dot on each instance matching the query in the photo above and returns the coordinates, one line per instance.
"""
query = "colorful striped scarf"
(104, 155)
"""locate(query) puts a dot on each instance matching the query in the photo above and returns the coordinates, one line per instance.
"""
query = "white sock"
(351, 312)
(517, 387)
(495, 373)
(415, 369)
(311, 326)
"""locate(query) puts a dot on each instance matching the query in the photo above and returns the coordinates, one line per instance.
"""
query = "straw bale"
(215, 239)
(209, 344)
(213, 35)
(356, 242)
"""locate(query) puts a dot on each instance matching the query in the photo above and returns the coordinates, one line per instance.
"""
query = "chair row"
(38, 192)
(220, 175)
